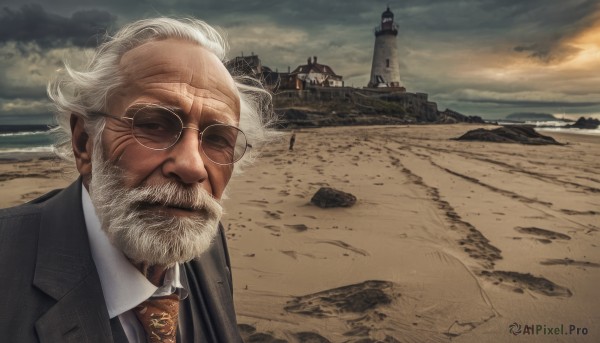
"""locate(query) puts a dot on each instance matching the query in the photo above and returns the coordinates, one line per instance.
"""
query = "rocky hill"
(349, 106)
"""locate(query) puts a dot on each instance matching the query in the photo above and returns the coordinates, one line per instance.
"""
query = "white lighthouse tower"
(385, 71)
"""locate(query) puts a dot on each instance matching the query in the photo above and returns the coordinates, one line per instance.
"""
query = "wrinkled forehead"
(181, 67)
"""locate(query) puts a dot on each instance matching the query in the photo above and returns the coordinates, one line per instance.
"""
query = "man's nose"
(185, 162)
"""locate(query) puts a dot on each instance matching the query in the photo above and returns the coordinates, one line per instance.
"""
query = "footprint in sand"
(273, 228)
(362, 305)
(249, 334)
(519, 282)
(273, 215)
(290, 253)
(297, 227)
(293, 254)
(345, 245)
(569, 262)
(546, 236)
(574, 212)
(284, 193)
(257, 203)
(356, 298)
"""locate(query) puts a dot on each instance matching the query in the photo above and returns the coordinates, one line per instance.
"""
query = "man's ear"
(82, 147)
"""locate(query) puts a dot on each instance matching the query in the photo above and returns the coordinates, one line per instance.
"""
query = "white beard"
(142, 231)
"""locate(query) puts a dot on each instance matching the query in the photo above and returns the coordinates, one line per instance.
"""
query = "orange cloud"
(587, 42)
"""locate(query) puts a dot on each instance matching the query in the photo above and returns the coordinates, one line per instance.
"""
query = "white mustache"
(173, 195)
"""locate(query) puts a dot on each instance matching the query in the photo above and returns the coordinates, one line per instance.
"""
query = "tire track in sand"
(476, 245)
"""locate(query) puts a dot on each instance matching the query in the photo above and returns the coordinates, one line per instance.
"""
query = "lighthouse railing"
(379, 28)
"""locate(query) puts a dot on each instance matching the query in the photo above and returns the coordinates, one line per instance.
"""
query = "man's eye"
(217, 141)
(152, 126)
(156, 123)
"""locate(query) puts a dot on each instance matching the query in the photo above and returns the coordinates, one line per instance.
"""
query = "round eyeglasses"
(159, 128)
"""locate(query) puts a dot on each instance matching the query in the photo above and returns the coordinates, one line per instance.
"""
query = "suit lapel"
(211, 301)
(66, 272)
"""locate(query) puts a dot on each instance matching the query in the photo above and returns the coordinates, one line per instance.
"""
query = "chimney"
(288, 69)
(315, 59)
(308, 61)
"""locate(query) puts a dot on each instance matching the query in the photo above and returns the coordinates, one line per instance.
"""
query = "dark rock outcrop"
(585, 123)
(508, 134)
(450, 117)
(327, 197)
(301, 118)
(357, 298)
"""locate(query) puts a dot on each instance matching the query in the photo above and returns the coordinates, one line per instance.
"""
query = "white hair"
(88, 90)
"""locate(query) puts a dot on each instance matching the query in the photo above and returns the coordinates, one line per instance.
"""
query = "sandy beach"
(448, 240)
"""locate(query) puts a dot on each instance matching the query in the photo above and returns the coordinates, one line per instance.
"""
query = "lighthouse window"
(387, 62)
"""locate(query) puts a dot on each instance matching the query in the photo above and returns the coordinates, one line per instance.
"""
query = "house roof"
(313, 66)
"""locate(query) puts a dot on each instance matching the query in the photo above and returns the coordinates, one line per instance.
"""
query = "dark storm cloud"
(537, 28)
(447, 48)
(32, 23)
(544, 29)
(548, 51)
(524, 17)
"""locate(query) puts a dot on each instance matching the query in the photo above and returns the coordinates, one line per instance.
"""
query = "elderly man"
(133, 251)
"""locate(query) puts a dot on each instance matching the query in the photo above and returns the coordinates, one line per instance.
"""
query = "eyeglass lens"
(159, 128)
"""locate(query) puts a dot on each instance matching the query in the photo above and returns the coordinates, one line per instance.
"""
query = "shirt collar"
(123, 285)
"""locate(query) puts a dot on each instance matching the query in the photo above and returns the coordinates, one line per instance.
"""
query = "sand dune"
(448, 240)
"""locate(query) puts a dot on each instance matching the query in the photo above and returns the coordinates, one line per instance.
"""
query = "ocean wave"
(36, 149)
(553, 123)
(591, 132)
(536, 123)
(24, 133)
(554, 126)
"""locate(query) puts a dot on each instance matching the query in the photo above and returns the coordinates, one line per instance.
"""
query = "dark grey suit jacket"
(50, 290)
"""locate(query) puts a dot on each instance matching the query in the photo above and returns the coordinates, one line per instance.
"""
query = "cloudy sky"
(478, 57)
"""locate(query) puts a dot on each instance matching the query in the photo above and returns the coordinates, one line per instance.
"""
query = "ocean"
(22, 140)
(553, 126)
(34, 140)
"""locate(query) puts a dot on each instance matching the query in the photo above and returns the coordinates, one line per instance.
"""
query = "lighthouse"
(385, 70)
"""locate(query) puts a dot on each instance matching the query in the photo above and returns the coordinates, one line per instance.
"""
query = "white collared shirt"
(123, 285)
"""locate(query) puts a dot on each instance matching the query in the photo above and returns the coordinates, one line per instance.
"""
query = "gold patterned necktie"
(158, 315)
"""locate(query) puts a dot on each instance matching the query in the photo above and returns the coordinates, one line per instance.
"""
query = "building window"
(387, 62)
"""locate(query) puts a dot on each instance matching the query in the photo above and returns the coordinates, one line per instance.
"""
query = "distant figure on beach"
(134, 251)
(292, 141)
